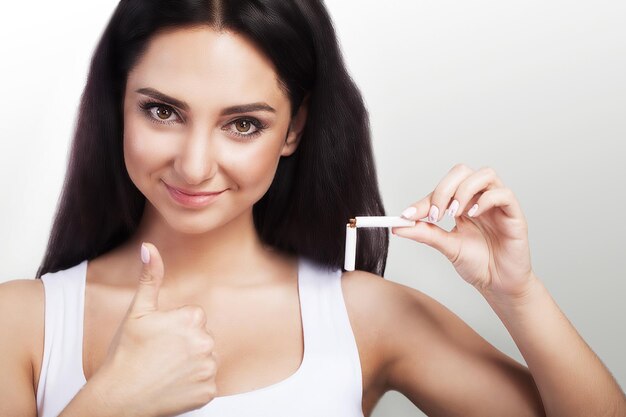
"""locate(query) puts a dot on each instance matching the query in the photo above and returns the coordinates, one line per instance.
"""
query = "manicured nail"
(472, 211)
(145, 254)
(433, 214)
(453, 208)
(408, 212)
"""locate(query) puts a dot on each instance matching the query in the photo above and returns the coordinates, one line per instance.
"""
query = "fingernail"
(472, 211)
(453, 208)
(145, 254)
(433, 214)
(410, 211)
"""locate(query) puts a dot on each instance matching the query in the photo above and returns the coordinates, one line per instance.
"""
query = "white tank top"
(327, 383)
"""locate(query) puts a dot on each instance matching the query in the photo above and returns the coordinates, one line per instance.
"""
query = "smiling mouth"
(191, 193)
(192, 201)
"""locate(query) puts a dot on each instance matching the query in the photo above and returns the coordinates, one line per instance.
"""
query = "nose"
(196, 161)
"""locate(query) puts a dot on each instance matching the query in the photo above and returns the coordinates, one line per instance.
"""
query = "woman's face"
(224, 125)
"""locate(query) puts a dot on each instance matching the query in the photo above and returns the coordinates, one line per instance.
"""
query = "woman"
(229, 137)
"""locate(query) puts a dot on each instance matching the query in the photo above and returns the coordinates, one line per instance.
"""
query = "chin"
(192, 225)
(196, 223)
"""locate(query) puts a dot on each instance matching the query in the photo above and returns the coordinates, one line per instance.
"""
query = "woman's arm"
(489, 249)
(17, 395)
(21, 314)
(570, 377)
(432, 357)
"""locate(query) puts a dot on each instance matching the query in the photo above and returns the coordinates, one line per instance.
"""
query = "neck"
(231, 254)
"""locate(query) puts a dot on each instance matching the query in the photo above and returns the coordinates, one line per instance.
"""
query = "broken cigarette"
(368, 221)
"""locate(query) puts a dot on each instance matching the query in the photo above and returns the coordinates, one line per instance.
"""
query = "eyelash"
(147, 106)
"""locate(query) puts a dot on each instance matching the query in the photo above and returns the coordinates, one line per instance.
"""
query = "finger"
(216, 358)
(432, 206)
(191, 314)
(204, 343)
(418, 210)
(432, 235)
(475, 185)
(147, 295)
(442, 195)
(502, 198)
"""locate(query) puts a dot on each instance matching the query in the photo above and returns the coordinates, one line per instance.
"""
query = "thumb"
(147, 295)
(432, 235)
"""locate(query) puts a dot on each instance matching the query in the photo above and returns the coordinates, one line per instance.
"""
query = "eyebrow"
(240, 108)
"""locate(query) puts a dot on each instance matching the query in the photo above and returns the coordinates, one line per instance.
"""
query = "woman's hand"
(160, 362)
(488, 246)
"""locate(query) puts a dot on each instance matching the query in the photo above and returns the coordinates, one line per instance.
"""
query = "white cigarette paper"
(368, 221)
(350, 256)
(383, 221)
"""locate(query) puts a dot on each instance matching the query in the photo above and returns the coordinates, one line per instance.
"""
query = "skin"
(203, 249)
(409, 343)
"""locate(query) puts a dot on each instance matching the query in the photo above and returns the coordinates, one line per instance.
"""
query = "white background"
(534, 89)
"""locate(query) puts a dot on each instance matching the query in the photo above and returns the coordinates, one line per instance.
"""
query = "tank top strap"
(328, 337)
(63, 336)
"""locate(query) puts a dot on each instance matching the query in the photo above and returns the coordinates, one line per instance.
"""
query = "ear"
(296, 126)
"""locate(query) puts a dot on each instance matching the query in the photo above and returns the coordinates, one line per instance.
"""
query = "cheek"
(253, 166)
(132, 159)
(141, 156)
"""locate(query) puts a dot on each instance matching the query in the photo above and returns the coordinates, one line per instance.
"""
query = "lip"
(193, 193)
(192, 199)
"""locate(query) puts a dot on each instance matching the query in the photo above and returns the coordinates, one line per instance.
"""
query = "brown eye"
(159, 112)
(163, 112)
(243, 125)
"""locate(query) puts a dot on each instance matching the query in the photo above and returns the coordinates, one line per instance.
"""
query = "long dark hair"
(328, 179)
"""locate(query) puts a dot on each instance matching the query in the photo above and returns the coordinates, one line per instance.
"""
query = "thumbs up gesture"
(159, 363)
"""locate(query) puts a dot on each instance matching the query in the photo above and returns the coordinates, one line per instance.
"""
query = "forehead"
(201, 62)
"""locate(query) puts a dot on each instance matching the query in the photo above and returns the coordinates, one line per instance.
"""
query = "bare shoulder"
(32, 288)
(395, 321)
(385, 301)
(372, 297)
(380, 311)
(22, 313)
(389, 308)
(21, 333)
(402, 316)
(425, 351)
(22, 307)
